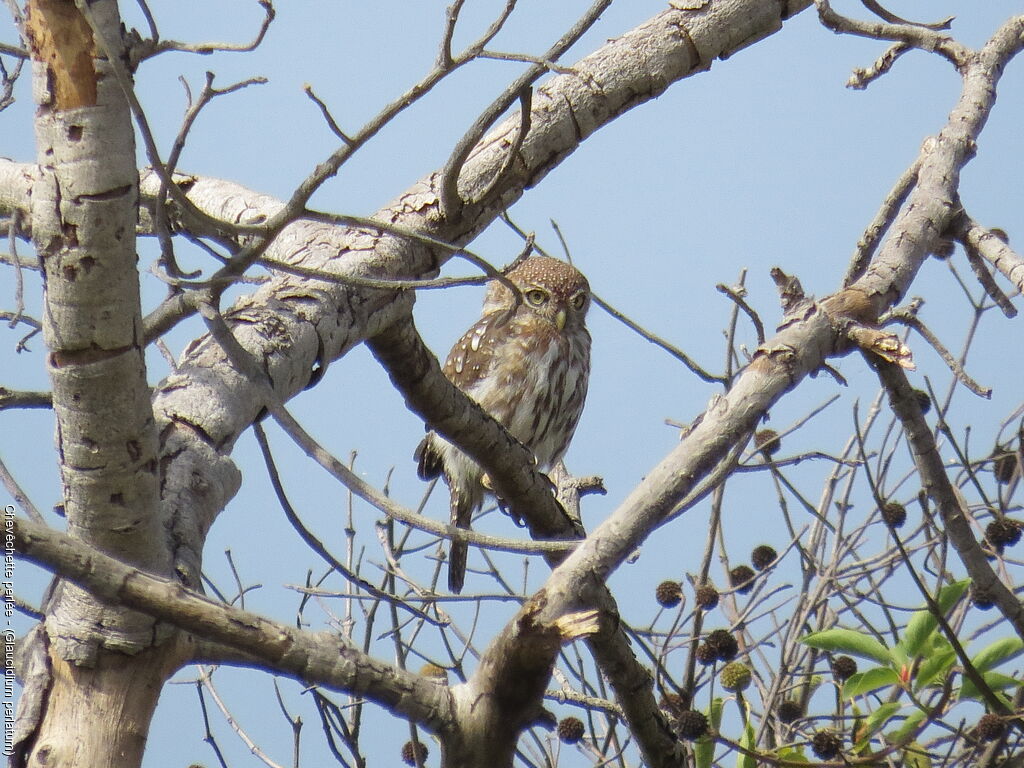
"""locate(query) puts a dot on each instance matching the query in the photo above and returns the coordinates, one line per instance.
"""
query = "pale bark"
(810, 334)
(325, 658)
(94, 707)
(293, 325)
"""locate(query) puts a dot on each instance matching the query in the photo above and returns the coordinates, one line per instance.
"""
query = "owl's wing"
(472, 356)
(467, 363)
(429, 463)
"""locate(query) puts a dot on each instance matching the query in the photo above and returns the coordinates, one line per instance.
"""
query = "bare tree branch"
(320, 657)
(936, 483)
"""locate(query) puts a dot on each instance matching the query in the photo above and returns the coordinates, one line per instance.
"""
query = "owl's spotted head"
(552, 289)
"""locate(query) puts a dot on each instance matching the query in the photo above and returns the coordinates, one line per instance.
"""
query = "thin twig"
(13, 50)
(988, 282)
(206, 680)
(658, 341)
(19, 279)
(155, 46)
(450, 202)
(909, 319)
(991, 247)
(747, 310)
(444, 55)
(20, 497)
(632, 325)
(326, 112)
(527, 59)
(880, 223)
(313, 542)
(13, 318)
(885, 14)
(525, 121)
(915, 35)
(861, 77)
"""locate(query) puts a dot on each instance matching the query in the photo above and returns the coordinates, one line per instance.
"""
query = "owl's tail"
(457, 567)
(462, 515)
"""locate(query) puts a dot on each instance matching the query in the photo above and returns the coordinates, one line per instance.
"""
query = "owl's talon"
(507, 510)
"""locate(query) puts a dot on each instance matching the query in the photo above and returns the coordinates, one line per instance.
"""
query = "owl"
(526, 362)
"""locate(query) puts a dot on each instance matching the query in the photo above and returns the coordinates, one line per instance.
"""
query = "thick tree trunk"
(100, 716)
(105, 676)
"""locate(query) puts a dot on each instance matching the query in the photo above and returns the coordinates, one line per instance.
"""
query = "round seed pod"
(707, 596)
(788, 711)
(570, 730)
(706, 654)
(982, 598)
(767, 441)
(843, 668)
(924, 402)
(691, 724)
(741, 577)
(1002, 532)
(990, 727)
(413, 750)
(674, 703)
(826, 744)
(668, 594)
(894, 514)
(1003, 467)
(723, 644)
(735, 676)
(763, 556)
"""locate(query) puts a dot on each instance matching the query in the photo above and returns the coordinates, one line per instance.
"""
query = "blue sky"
(766, 160)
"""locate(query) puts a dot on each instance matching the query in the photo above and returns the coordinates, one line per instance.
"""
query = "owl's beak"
(560, 319)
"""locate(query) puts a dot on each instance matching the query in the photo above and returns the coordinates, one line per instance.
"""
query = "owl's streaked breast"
(536, 385)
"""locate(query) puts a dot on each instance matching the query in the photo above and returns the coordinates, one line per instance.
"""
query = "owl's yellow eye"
(578, 301)
(536, 297)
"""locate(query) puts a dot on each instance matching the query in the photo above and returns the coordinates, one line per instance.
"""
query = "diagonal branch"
(322, 657)
(937, 484)
(294, 326)
(992, 248)
(807, 339)
(302, 327)
(451, 201)
(416, 373)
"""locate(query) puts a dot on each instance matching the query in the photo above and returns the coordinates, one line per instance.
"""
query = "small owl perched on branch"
(527, 366)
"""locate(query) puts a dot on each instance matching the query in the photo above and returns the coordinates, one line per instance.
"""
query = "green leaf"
(792, 754)
(849, 641)
(704, 747)
(995, 654)
(744, 708)
(914, 719)
(877, 720)
(997, 681)
(950, 594)
(747, 741)
(915, 756)
(704, 751)
(922, 624)
(715, 713)
(869, 680)
(938, 644)
(934, 668)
